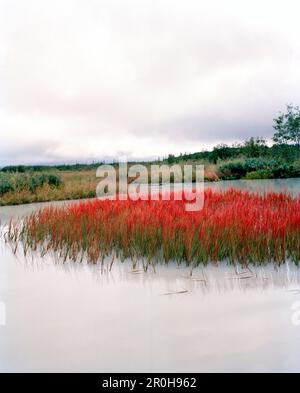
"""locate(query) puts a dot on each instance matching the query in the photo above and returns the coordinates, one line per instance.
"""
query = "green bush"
(31, 181)
(233, 170)
(265, 168)
(286, 170)
(54, 180)
(260, 174)
(6, 185)
(38, 180)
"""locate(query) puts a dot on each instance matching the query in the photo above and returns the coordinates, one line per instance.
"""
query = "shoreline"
(83, 196)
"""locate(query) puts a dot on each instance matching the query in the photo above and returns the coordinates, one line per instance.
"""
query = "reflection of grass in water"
(236, 226)
(167, 278)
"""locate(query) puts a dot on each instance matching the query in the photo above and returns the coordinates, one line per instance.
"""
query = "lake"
(75, 317)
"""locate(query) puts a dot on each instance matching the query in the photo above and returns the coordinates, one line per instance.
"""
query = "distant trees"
(171, 159)
(255, 147)
(287, 126)
(47, 168)
(221, 152)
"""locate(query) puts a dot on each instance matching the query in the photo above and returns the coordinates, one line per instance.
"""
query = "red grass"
(238, 226)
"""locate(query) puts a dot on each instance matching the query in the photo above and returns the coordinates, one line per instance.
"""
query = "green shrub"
(260, 174)
(54, 180)
(254, 167)
(286, 170)
(36, 181)
(233, 170)
(19, 181)
(6, 185)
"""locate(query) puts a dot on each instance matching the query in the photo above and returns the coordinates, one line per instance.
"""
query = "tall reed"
(234, 225)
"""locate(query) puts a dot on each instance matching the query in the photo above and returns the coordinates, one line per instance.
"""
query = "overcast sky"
(93, 79)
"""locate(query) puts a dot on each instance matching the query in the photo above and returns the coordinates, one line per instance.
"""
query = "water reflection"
(165, 279)
(267, 185)
(81, 317)
(75, 317)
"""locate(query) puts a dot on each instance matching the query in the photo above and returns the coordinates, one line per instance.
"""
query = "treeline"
(286, 146)
(47, 168)
(252, 148)
(253, 159)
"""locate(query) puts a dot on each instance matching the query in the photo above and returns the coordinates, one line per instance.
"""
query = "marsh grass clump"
(237, 226)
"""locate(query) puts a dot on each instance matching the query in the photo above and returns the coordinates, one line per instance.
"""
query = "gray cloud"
(83, 81)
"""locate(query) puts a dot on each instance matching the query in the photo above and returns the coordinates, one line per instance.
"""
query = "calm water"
(75, 317)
